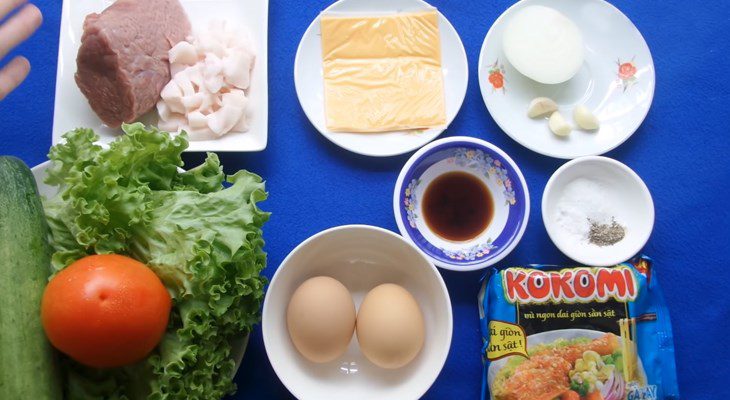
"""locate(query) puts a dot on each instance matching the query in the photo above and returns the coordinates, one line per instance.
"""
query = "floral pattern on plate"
(496, 76)
(471, 253)
(627, 73)
(487, 166)
(411, 202)
(483, 164)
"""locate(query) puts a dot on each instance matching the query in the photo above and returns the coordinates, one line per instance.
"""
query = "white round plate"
(309, 81)
(39, 173)
(361, 257)
(616, 82)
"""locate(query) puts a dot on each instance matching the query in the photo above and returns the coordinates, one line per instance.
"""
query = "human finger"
(13, 74)
(19, 27)
(6, 6)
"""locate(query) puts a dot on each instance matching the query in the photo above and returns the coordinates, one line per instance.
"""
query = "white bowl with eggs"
(361, 258)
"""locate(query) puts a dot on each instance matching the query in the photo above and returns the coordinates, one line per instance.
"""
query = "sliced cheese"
(382, 73)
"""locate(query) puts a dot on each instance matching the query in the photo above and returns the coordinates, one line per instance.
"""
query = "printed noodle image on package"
(576, 333)
(382, 73)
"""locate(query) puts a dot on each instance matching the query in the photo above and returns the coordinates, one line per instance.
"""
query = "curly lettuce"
(201, 237)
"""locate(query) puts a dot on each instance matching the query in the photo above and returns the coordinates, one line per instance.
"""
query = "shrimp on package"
(580, 333)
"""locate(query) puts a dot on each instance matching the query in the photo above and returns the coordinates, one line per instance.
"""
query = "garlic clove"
(558, 125)
(541, 106)
(585, 118)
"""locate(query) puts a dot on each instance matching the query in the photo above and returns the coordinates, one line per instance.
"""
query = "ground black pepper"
(605, 234)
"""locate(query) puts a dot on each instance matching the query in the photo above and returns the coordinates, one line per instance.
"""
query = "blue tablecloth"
(681, 151)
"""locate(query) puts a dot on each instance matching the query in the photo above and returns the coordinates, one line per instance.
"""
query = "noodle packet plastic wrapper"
(576, 333)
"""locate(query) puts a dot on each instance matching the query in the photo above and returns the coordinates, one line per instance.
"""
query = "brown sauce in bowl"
(457, 206)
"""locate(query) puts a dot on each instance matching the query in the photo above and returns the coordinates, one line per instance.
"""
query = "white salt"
(584, 200)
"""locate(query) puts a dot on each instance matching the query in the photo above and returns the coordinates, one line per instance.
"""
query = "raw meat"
(122, 64)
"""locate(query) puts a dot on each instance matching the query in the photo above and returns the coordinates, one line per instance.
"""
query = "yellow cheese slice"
(382, 73)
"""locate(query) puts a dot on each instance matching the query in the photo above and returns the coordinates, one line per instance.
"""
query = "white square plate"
(72, 110)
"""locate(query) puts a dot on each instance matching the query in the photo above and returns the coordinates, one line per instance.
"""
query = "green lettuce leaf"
(203, 240)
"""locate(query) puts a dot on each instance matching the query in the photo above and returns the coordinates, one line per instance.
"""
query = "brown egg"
(390, 327)
(321, 319)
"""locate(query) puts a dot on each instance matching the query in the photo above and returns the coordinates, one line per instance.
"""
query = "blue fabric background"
(681, 151)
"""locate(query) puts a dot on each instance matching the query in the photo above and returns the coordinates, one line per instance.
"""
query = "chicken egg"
(390, 327)
(321, 319)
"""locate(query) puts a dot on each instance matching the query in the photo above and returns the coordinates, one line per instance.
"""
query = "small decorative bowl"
(495, 169)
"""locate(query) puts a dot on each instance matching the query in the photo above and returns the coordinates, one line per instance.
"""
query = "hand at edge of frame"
(14, 31)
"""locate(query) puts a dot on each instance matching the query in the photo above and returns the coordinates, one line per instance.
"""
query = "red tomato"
(105, 310)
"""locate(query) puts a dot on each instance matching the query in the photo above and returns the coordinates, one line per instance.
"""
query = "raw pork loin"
(122, 64)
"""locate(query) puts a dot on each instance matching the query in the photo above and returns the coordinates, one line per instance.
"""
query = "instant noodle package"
(579, 333)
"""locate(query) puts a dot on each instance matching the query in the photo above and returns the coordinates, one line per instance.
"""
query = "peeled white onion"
(543, 44)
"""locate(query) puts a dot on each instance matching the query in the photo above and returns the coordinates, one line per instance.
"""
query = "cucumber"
(27, 360)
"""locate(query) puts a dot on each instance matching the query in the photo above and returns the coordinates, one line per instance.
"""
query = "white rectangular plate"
(72, 110)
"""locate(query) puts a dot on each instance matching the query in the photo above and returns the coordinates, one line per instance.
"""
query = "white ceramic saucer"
(616, 82)
(309, 82)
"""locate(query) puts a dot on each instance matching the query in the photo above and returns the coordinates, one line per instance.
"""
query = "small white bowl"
(361, 257)
(631, 199)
